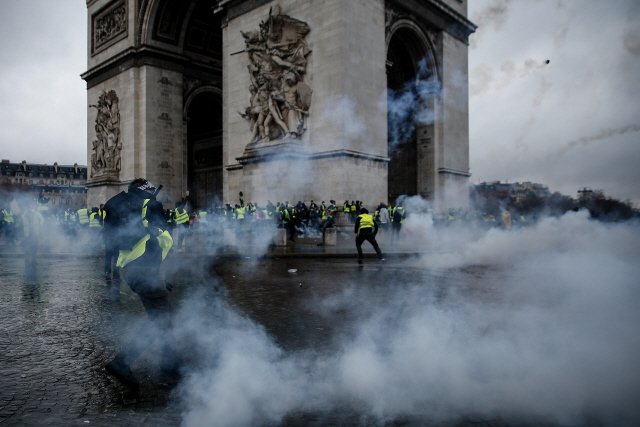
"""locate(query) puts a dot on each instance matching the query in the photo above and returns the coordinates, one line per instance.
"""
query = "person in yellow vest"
(142, 231)
(101, 212)
(288, 221)
(352, 209)
(83, 217)
(95, 227)
(32, 222)
(240, 213)
(8, 227)
(181, 222)
(43, 204)
(71, 222)
(328, 220)
(366, 229)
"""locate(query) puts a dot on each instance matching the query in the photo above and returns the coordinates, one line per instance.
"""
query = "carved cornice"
(291, 151)
(144, 55)
(460, 18)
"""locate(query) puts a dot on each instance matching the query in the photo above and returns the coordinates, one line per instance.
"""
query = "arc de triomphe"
(282, 99)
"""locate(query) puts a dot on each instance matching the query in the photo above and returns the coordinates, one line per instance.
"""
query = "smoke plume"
(530, 326)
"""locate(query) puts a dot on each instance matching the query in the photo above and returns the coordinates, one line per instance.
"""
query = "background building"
(63, 185)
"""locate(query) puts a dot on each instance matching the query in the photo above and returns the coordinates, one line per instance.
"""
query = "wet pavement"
(61, 322)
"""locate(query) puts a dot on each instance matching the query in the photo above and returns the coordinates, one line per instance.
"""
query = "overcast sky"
(572, 123)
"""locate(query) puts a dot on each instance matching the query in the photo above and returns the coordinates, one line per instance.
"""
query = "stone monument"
(282, 100)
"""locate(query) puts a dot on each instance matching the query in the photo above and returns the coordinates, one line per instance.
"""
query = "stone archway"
(203, 120)
(412, 91)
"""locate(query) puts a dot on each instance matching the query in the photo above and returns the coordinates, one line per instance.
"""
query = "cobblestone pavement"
(60, 323)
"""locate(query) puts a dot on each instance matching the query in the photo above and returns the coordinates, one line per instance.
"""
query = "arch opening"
(411, 87)
(204, 150)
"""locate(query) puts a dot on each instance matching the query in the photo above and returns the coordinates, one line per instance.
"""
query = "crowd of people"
(137, 234)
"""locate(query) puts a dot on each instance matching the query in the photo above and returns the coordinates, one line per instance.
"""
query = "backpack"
(397, 214)
(123, 220)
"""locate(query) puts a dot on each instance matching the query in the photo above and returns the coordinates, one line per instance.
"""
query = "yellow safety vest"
(93, 220)
(8, 217)
(366, 221)
(83, 216)
(240, 213)
(164, 241)
(203, 217)
(180, 217)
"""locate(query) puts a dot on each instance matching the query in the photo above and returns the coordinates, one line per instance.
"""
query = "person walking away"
(366, 229)
(143, 232)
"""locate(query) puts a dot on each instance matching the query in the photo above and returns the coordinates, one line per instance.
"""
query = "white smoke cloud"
(538, 323)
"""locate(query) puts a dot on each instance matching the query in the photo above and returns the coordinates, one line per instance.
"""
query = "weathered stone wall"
(113, 45)
(150, 131)
(453, 162)
(346, 71)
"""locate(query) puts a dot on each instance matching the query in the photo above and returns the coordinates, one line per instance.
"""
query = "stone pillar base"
(330, 236)
(280, 237)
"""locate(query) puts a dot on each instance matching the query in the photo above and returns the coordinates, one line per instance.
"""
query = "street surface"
(61, 322)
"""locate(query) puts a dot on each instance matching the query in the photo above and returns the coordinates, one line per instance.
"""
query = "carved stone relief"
(279, 98)
(105, 156)
(109, 25)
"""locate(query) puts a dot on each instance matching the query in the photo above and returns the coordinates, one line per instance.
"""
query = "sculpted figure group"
(280, 99)
(107, 145)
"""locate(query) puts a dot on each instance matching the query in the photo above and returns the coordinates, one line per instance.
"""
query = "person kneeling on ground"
(366, 229)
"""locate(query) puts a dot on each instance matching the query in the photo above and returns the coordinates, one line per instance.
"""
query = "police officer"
(144, 229)
(366, 229)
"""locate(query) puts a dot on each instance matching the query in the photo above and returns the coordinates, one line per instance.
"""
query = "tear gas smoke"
(543, 328)
(408, 107)
(602, 135)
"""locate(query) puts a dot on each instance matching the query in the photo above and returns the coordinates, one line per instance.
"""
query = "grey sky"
(572, 123)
